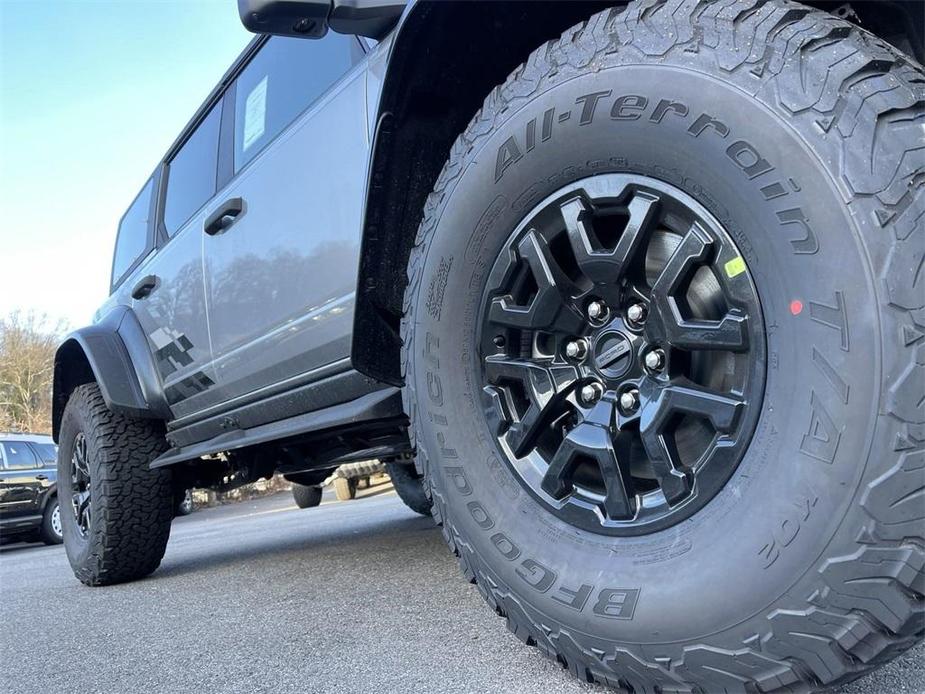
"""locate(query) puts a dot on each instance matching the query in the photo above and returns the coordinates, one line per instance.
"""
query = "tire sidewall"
(796, 483)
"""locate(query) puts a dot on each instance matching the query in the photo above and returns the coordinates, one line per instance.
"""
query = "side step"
(380, 405)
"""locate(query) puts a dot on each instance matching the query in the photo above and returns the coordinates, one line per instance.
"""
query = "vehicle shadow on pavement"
(13, 548)
(313, 538)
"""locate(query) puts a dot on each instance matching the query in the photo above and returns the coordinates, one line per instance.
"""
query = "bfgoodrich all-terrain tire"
(115, 511)
(665, 342)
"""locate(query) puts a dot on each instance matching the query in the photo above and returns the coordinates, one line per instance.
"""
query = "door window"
(47, 453)
(191, 174)
(280, 82)
(18, 456)
(132, 239)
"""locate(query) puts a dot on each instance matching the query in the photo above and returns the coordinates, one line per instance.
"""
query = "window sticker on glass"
(255, 114)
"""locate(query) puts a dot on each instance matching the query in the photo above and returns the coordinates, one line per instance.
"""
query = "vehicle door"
(20, 488)
(47, 472)
(281, 271)
(166, 292)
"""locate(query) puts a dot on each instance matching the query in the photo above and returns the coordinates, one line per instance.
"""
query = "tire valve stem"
(499, 341)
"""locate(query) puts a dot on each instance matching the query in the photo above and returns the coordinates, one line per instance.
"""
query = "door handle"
(146, 285)
(41, 477)
(223, 217)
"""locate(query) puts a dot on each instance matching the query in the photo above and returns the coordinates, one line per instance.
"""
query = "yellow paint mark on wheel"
(734, 267)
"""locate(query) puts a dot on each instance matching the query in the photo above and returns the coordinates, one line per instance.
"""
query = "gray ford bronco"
(634, 293)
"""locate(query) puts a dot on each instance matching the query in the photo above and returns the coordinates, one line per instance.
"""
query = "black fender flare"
(114, 353)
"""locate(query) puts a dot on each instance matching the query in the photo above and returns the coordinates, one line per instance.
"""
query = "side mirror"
(312, 18)
(304, 18)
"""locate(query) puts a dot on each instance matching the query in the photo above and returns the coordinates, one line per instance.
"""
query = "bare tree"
(27, 355)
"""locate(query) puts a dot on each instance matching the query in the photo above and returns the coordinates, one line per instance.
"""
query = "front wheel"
(664, 343)
(116, 510)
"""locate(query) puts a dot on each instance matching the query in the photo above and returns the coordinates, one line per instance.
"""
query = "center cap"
(612, 354)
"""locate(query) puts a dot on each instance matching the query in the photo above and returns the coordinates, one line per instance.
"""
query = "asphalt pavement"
(358, 596)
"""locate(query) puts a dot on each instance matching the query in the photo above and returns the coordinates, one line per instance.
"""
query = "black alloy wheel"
(622, 343)
(80, 484)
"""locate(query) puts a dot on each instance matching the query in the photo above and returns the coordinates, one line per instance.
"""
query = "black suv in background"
(29, 489)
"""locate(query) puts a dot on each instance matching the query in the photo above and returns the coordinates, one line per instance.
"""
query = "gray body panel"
(261, 313)
(173, 317)
(281, 279)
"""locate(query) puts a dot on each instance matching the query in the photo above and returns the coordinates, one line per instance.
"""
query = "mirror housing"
(312, 18)
(303, 18)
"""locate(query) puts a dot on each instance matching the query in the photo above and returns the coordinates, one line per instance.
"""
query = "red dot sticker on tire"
(796, 307)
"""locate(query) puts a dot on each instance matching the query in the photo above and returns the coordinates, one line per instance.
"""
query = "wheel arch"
(50, 493)
(425, 103)
(434, 84)
(114, 354)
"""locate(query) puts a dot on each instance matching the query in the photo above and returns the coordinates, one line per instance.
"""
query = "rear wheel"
(50, 532)
(664, 321)
(116, 520)
(185, 505)
(306, 496)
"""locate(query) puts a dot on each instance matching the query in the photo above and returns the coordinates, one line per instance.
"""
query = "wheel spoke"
(603, 265)
(545, 387)
(79, 459)
(81, 504)
(593, 439)
(666, 323)
(552, 306)
(730, 333)
(663, 404)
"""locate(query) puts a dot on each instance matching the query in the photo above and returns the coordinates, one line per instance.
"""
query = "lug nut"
(629, 400)
(636, 314)
(597, 311)
(576, 349)
(591, 393)
(655, 360)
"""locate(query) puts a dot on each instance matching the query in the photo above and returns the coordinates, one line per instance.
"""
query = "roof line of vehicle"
(215, 95)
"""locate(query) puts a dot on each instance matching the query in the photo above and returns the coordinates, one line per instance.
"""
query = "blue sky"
(92, 92)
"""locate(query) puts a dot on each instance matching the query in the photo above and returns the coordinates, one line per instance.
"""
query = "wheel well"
(53, 494)
(72, 369)
(446, 59)
(436, 82)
